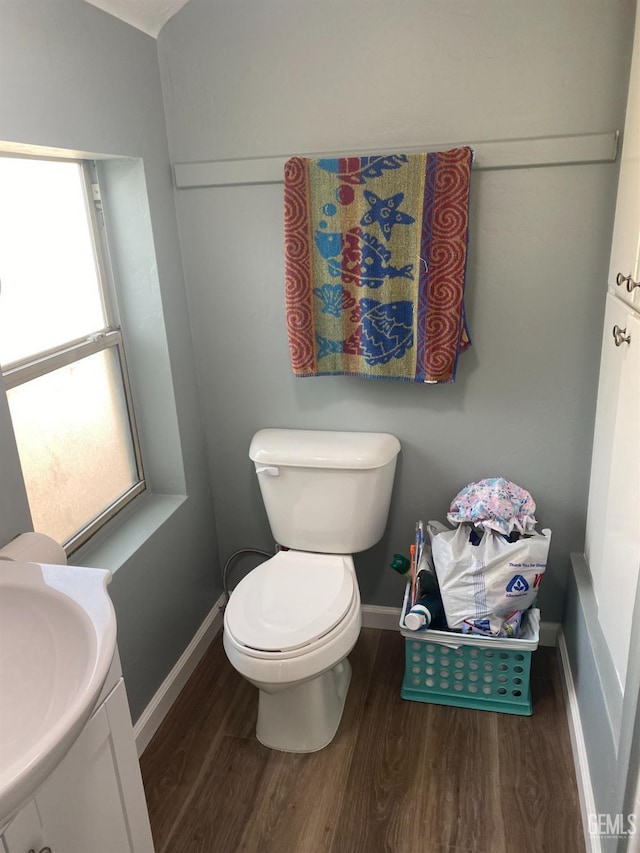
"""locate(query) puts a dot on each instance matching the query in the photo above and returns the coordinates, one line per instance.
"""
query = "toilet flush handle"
(269, 470)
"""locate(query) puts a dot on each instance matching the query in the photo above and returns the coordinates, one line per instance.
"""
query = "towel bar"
(497, 154)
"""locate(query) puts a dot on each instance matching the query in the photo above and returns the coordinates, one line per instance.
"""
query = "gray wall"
(73, 77)
(251, 79)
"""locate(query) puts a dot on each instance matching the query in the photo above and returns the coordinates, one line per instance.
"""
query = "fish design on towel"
(384, 331)
(358, 258)
(357, 170)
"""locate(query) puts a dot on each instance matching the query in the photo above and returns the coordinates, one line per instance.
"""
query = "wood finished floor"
(400, 776)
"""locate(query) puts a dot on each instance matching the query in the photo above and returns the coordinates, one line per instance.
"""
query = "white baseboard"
(167, 693)
(578, 747)
(373, 616)
(385, 618)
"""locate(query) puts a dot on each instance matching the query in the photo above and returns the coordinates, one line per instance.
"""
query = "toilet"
(291, 622)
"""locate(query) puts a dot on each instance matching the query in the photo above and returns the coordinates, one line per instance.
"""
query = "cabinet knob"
(626, 279)
(620, 336)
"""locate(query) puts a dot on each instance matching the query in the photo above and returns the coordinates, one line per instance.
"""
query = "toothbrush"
(412, 557)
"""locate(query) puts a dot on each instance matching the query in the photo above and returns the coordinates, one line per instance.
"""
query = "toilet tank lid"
(307, 448)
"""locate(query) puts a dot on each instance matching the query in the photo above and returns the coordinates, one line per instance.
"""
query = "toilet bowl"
(293, 646)
(291, 622)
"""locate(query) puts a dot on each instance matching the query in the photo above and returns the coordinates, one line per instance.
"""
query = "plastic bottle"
(427, 584)
(427, 611)
(426, 579)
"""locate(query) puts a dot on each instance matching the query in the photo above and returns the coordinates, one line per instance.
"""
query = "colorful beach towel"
(375, 255)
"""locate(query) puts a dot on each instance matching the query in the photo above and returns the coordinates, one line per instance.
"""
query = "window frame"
(109, 337)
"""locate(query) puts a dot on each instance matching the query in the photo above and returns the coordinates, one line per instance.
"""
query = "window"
(61, 349)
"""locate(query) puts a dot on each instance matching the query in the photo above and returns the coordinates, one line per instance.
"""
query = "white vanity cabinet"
(93, 802)
(624, 269)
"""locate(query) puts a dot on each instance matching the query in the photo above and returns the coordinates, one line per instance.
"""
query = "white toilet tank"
(325, 491)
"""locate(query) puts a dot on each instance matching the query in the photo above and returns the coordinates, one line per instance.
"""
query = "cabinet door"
(614, 509)
(622, 534)
(625, 247)
(603, 442)
(24, 832)
(80, 804)
(93, 802)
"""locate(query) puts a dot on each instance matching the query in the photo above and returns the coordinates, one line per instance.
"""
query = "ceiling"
(146, 15)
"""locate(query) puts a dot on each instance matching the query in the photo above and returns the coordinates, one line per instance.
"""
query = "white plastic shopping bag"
(483, 584)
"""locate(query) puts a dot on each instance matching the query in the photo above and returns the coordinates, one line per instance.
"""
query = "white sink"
(57, 640)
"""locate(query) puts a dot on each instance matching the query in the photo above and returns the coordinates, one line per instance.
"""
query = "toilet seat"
(290, 602)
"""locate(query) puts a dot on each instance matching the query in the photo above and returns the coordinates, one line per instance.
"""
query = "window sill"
(128, 532)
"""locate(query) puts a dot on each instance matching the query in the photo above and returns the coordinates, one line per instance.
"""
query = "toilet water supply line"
(227, 565)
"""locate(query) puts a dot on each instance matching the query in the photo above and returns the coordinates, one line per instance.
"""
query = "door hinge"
(97, 200)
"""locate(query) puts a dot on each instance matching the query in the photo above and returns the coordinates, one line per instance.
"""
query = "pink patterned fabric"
(494, 504)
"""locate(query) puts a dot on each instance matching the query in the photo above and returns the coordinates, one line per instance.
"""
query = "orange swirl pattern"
(298, 275)
(445, 331)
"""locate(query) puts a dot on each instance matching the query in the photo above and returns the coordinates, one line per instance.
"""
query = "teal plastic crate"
(467, 671)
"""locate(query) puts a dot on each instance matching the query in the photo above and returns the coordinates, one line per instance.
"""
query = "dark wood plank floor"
(399, 776)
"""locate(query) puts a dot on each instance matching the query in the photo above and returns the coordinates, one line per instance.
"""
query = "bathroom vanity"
(93, 801)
